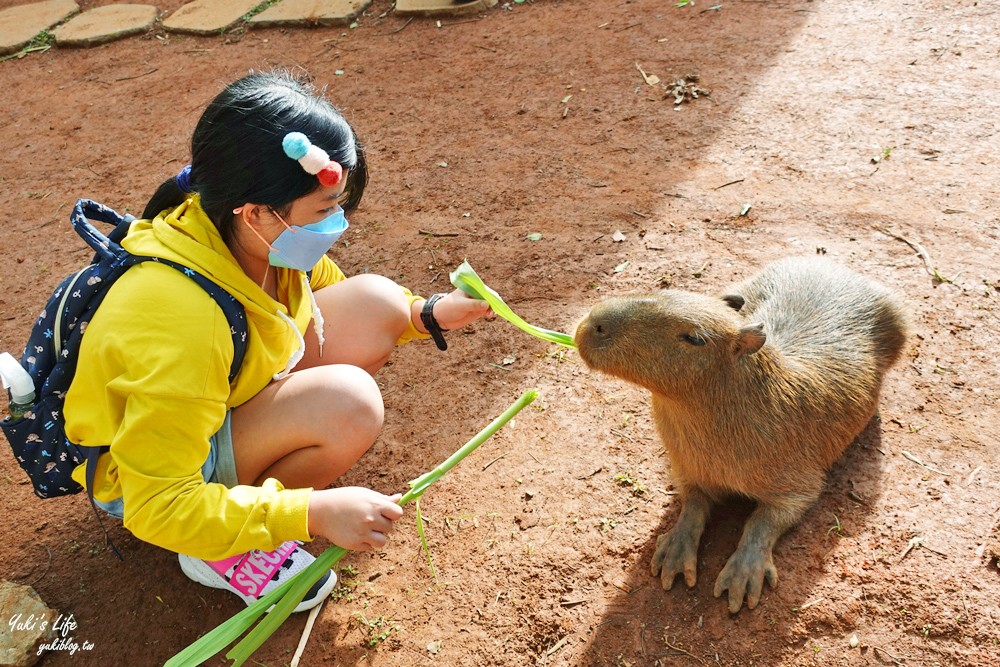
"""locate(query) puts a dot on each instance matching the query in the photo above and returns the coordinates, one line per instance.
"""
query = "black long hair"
(236, 153)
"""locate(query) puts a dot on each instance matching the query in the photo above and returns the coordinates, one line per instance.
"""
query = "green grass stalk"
(287, 596)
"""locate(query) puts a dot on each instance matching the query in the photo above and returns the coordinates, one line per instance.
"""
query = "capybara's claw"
(676, 553)
(744, 576)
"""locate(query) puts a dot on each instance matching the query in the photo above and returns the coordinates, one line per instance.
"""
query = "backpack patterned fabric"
(38, 438)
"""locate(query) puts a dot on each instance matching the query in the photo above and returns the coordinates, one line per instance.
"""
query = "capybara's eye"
(693, 339)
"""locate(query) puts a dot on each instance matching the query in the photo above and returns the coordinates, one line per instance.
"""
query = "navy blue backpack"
(38, 438)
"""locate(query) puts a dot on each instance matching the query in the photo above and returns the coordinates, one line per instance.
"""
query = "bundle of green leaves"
(287, 596)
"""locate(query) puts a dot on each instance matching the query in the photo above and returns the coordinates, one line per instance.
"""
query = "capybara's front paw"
(744, 574)
(676, 553)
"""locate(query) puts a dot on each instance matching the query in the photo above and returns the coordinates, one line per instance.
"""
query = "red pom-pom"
(330, 174)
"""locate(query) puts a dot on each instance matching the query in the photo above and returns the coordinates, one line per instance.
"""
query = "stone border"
(22, 25)
(105, 24)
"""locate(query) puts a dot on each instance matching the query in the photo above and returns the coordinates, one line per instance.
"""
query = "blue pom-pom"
(295, 144)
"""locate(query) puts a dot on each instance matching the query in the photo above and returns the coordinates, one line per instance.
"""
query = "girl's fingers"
(392, 512)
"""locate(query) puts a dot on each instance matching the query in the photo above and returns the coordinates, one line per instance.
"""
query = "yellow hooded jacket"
(152, 382)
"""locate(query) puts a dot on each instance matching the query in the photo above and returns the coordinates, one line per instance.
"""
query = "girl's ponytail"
(168, 195)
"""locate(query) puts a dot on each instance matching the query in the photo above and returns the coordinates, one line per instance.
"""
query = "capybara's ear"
(734, 301)
(749, 339)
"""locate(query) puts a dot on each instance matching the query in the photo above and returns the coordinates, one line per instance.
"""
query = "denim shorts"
(219, 467)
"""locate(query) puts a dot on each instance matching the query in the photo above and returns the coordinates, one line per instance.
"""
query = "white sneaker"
(256, 573)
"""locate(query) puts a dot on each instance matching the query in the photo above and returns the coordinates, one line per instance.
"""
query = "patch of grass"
(835, 528)
(343, 591)
(628, 479)
(240, 26)
(376, 630)
(40, 43)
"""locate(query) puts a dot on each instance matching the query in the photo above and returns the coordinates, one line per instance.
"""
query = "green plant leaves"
(466, 279)
(287, 596)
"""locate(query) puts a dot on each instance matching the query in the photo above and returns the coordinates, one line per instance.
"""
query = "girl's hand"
(353, 517)
(457, 309)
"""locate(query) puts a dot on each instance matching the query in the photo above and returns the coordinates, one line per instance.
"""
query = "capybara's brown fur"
(755, 393)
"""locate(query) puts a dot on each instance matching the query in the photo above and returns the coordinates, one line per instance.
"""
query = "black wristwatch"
(431, 323)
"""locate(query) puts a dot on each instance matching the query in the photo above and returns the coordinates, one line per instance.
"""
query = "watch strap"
(430, 322)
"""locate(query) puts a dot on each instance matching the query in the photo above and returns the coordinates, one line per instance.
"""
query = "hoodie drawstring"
(297, 354)
(317, 318)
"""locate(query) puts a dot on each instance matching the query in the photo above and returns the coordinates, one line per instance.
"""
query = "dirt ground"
(857, 129)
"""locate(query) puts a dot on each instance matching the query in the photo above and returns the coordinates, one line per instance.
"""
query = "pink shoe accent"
(248, 573)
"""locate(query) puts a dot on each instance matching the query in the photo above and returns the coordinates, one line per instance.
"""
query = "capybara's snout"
(598, 330)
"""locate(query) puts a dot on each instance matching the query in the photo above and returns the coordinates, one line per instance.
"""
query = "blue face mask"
(302, 247)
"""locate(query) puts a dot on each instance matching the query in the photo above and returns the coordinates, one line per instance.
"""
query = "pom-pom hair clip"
(313, 159)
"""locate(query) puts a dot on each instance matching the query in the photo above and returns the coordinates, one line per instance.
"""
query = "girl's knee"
(382, 297)
(349, 406)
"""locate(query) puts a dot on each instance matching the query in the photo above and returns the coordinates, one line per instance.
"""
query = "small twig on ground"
(919, 542)
(427, 233)
(47, 566)
(558, 645)
(738, 180)
(891, 656)
(680, 650)
(919, 249)
(402, 27)
(494, 461)
(921, 463)
(811, 603)
(137, 76)
(572, 603)
(305, 634)
(628, 27)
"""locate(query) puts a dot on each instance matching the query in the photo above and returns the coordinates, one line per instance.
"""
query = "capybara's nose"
(592, 331)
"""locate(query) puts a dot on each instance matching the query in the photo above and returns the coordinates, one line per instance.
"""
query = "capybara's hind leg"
(751, 563)
(677, 549)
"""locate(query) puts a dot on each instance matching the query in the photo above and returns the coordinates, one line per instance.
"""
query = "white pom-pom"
(314, 160)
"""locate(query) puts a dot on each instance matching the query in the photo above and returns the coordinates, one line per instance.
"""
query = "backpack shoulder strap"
(109, 248)
(231, 308)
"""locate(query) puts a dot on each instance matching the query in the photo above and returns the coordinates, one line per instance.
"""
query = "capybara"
(755, 394)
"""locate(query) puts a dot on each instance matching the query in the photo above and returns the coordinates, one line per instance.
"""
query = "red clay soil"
(865, 131)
